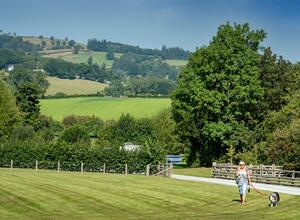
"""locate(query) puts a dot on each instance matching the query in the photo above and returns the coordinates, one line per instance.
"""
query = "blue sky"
(152, 23)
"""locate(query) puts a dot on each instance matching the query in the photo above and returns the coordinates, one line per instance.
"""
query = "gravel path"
(261, 186)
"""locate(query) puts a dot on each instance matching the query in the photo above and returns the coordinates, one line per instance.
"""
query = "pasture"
(83, 56)
(72, 87)
(176, 63)
(70, 195)
(103, 107)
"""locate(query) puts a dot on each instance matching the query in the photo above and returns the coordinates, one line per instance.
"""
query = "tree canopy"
(217, 100)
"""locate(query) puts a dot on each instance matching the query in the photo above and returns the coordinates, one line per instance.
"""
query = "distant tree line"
(16, 43)
(165, 53)
(135, 64)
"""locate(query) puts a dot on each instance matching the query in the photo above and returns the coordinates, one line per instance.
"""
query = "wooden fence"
(149, 170)
(271, 174)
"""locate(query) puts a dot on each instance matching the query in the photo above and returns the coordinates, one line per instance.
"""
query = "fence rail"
(142, 169)
(271, 174)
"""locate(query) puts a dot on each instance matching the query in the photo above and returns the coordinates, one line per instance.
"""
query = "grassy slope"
(82, 57)
(50, 195)
(105, 108)
(36, 40)
(177, 63)
(71, 87)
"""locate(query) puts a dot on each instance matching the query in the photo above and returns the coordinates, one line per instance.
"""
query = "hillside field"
(103, 107)
(72, 195)
(72, 87)
(83, 56)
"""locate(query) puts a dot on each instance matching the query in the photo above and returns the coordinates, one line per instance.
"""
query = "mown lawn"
(105, 108)
(66, 195)
(201, 171)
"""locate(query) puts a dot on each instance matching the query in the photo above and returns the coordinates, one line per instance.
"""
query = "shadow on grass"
(236, 200)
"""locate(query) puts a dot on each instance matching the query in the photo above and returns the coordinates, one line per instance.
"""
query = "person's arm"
(237, 172)
(249, 177)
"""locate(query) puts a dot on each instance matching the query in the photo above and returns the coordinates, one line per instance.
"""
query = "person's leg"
(244, 189)
(241, 193)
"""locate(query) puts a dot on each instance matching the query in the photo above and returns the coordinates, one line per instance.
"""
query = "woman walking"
(243, 180)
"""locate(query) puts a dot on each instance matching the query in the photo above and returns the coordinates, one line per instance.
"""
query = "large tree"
(9, 114)
(216, 103)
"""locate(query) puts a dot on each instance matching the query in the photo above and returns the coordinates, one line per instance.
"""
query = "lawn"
(201, 171)
(105, 108)
(72, 87)
(69, 195)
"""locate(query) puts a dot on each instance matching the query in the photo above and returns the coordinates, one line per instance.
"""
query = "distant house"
(39, 70)
(174, 159)
(131, 147)
(10, 67)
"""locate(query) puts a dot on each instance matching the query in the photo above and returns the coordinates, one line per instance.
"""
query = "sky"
(152, 23)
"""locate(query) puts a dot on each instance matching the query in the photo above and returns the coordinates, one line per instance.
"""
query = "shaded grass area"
(188, 171)
(103, 107)
(66, 195)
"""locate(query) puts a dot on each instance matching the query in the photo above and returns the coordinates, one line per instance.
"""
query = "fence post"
(148, 170)
(11, 165)
(158, 169)
(81, 167)
(214, 164)
(126, 169)
(261, 172)
(273, 169)
(171, 169)
(163, 170)
(36, 166)
(104, 168)
(293, 177)
(58, 166)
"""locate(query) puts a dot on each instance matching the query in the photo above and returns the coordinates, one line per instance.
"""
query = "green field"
(69, 195)
(177, 63)
(105, 108)
(83, 56)
(72, 87)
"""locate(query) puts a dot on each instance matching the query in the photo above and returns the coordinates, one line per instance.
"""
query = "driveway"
(261, 186)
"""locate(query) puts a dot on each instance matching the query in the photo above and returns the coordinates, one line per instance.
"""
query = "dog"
(274, 199)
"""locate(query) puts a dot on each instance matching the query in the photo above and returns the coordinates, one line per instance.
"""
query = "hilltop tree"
(71, 43)
(216, 103)
(44, 43)
(76, 49)
(90, 60)
(110, 55)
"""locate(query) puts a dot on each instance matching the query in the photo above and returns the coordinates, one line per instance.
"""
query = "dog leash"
(256, 190)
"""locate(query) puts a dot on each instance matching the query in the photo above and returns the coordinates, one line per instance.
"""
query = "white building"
(131, 147)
